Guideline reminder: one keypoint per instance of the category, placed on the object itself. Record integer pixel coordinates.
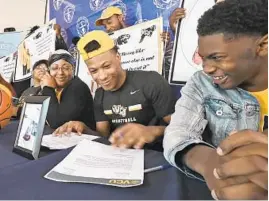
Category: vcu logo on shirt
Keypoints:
(119, 110)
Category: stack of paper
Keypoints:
(93, 162)
(64, 141)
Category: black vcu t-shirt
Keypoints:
(144, 98)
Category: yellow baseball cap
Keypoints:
(106, 44)
(107, 13)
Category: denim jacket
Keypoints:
(205, 104)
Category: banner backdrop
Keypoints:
(78, 17)
(9, 42)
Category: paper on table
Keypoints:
(93, 162)
(64, 142)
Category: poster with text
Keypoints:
(186, 60)
(39, 45)
(7, 66)
(140, 46)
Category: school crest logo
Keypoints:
(122, 6)
(69, 12)
(96, 4)
(141, 21)
(57, 4)
(165, 4)
(119, 110)
(82, 26)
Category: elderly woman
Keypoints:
(71, 99)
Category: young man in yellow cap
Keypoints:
(134, 105)
(112, 19)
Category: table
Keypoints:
(8, 159)
(24, 180)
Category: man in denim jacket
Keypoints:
(230, 99)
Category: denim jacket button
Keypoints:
(250, 113)
(219, 112)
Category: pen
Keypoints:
(161, 167)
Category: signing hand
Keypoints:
(245, 154)
(71, 126)
(48, 80)
(132, 135)
(176, 15)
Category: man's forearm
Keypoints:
(156, 131)
(197, 158)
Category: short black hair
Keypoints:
(235, 18)
(42, 61)
(94, 45)
(75, 40)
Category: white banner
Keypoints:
(140, 46)
(186, 61)
(37, 46)
(7, 66)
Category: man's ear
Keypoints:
(121, 18)
(262, 49)
(118, 57)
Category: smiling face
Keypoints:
(231, 63)
(106, 70)
(114, 23)
(62, 71)
(39, 72)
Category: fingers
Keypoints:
(260, 179)
(179, 16)
(240, 192)
(130, 135)
(241, 167)
(239, 139)
(69, 128)
(118, 134)
(179, 11)
(78, 128)
(248, 150)
(165, 36)
(61, 130)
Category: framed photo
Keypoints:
(31, 126)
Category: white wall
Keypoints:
(21, 14)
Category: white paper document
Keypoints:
(93, 162)
(65, 141)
